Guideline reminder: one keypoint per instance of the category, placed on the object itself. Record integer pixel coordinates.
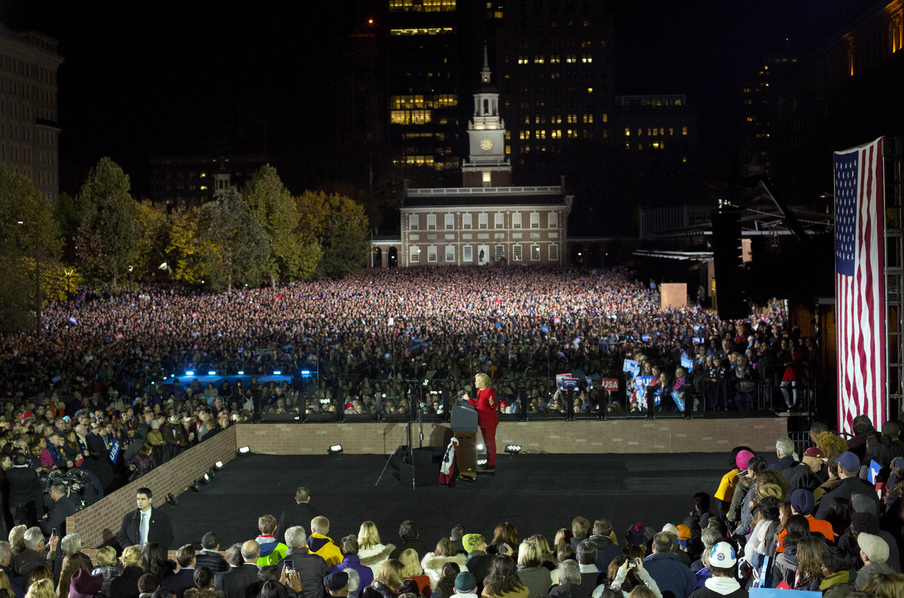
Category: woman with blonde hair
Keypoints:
(445, 552)
(106, 566)
(71, 564)
(387, 579)
(127, 584)
(547, 558)
(370, 551)
(41, 589)
(885, 585)
(6, 591)
(411, 569)
(487, 415)
(531, 570)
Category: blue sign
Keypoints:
(114, 451)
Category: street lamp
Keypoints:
(130, 279)
(37, 277)
(68, 272)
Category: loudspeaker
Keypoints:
(425, 468)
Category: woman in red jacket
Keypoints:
(487, 415)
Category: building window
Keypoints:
(499, 220)
(516, 220)
(500, 252)
(431, 254)
(535, 220)
(450, 221)
(414, 255)
(412, 222)
(466, 221)
(684, 130)
(467, 253)
(431, 221)
(554, 253)
(450, 253)
(553, 218)
(482, 221)
(535, 253)
(516, 253)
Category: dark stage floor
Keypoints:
(537, 493)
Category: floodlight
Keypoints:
(334, 450)
(277, 372)
(513, 449)
(244, 450)
(241, 372)
(480, 447)
(189, 372)
(218, 465)
(211, 373)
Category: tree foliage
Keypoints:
(185, 254)
(20, 201)
(235, 245)
(339, 226)
(107, 238)
(276, 212)
(153, 229)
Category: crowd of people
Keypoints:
(829, 521)
(370, 341)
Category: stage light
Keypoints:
(211, 373)
(218, 465)
(305, 372)
(241, 372)
(189, 372)
(513, 449)
(172, 500)
(196, 487)
(481, 461)
(244, 450)
(480, 447)
(277, 372)
(205, 479)
(334, 450)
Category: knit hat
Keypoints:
(743, 459)
(471, 541)
(635, 534)
(722, 556)
(465, 582)
(874, 547)
(26, 415)
(684, 532)
(802, 501)
(335, 581)
(85, 585)
(861, 503)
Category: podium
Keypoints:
(464, 426)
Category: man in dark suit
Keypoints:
(310, 567)
(185, 578)
(209, 557)
(237, 581)
(62, 508)
(145, 524)
(301, 514)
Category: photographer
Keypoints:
(625, 574)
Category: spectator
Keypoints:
(72, 544)
(126, 585)
(885, 585)
(664, 567)
(106, 567)
(237, 581)
(412, 570)
(479, 562)
(41, 589)
(873, 553)
(723, 564)
(434, 562)
(531, 570)
(848, 472)
(624, 575)
(503, 580)
(838, 575)
(184, 578)
(445, 585)
(208, 556)
(370, 550)
(310, 567)
(386, 580)
(31, 557)
(602, 539)
(410, 537)
(147, 585)
(83, 584)
(786, 562)
(809, 557)
(349, 547)
(320, 544)
(272, 550)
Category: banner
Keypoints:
(609, 384)
(114, 451)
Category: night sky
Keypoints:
(135, 69)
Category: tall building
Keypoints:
(655, 122)
(487, 166)
(429, 43)
(29, 133)
(556, 73)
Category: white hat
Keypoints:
(723, 556)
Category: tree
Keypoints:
(185, 253)
(276, 212)
(153, 228)
(339, 226)
(107, 239)
(238, 246)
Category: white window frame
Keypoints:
(414, 255)
(431, 221)
(553, 252)
(483, 221)
(499, 252)
(516, 220)
(449, 221)
(535, 219)
(552, 219)
(535, 253)
(467, 221)
(431, 254)
(467, 254)
(413, 222)
(450, 253)
(499, 220)
(517, 255)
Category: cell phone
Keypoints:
(54, 532)
(288, 568)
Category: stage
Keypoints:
(538, 493)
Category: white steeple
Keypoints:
(487, 164)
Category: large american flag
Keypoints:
(860, 284)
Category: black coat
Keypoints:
(56, 518)
(24, 487)
(126, 585)
(301, 514)
(311, 571)
(236, 581)
(212, 560)
(179, 582)
(160, 529)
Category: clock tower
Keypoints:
(487, 164)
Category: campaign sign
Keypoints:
(609, 384)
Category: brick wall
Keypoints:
(622, 436)
(99, 523)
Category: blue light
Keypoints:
(241, 372)
(189, 372)
(211, 373)
(305, 372)
(277, 372)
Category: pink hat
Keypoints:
(743, 459)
